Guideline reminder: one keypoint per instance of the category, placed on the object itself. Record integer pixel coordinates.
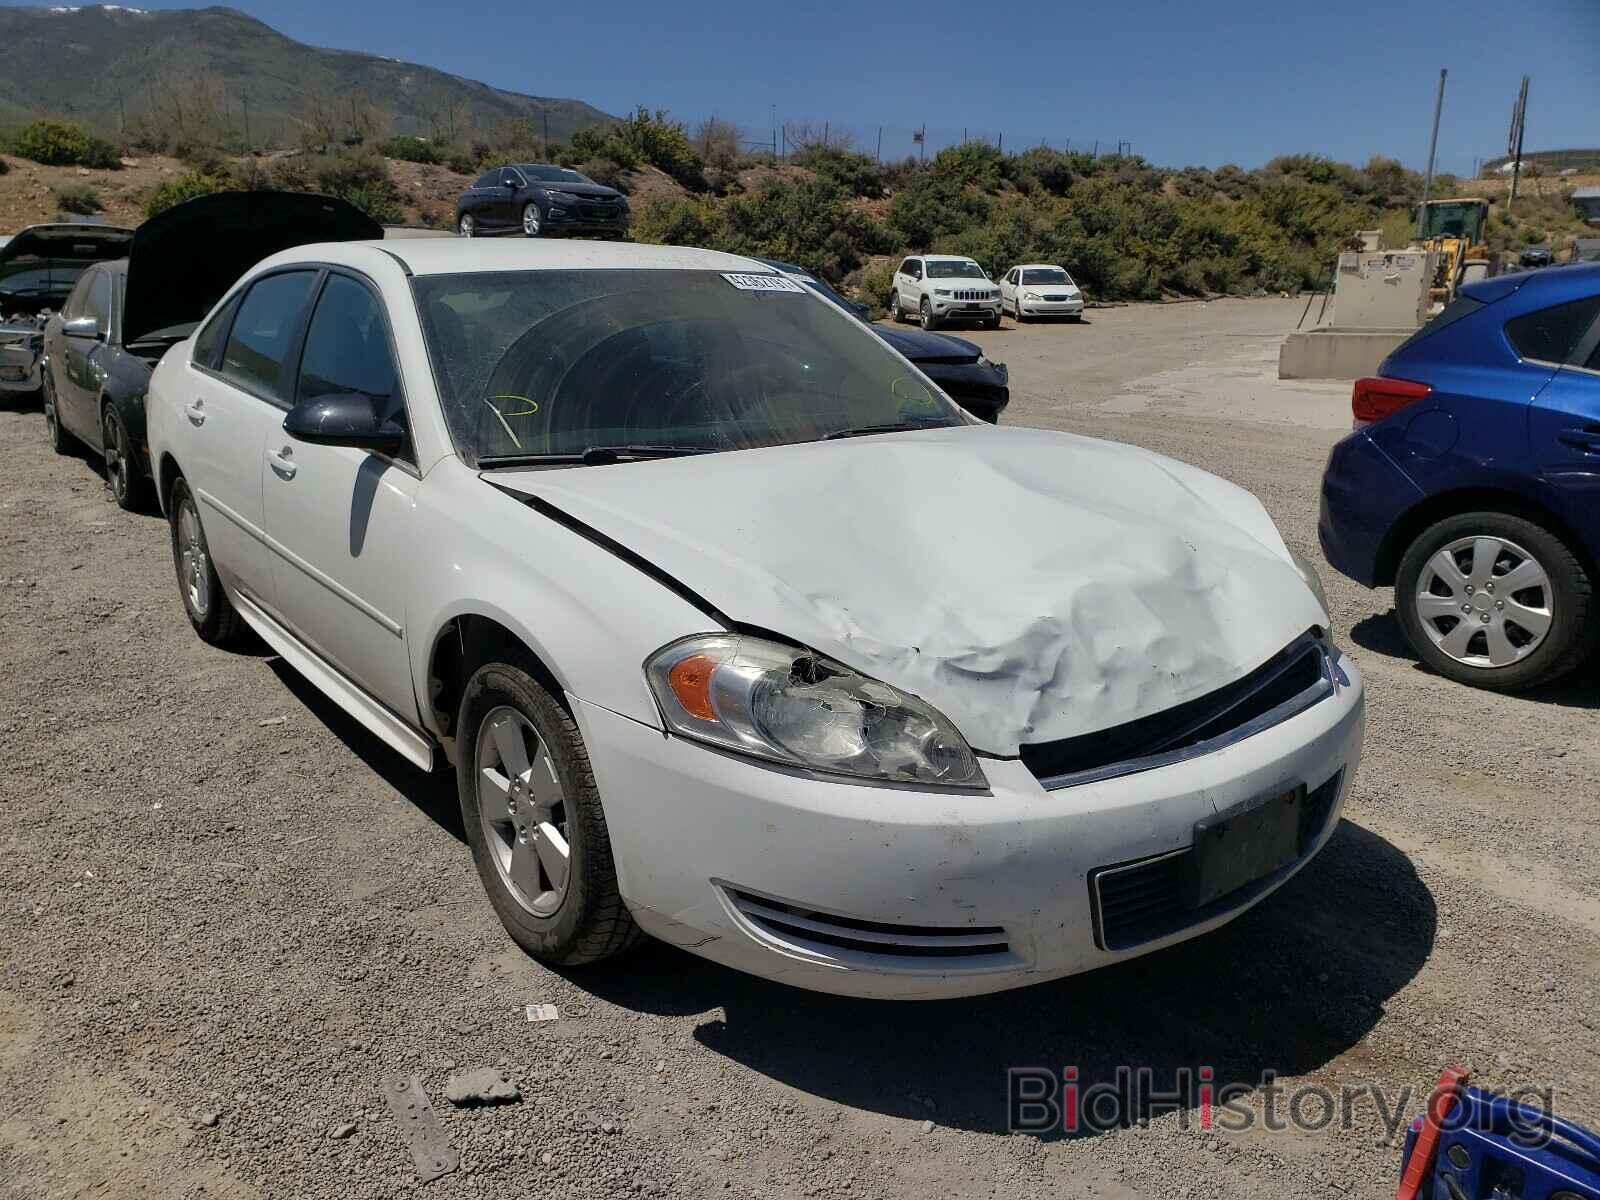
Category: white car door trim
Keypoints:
(289, 556)
(371, 715)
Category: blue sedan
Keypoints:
(1472, 481)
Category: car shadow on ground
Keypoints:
(1287, 988)
(432, 792)
(1381, 634)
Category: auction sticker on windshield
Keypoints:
(762, 283)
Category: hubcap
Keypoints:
(1485, 601)
(523, 811)
(194, 564)
(116, 458)
(530, 221)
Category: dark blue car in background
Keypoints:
(1472, 481)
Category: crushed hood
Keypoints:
(183, 260)
(1031, 585)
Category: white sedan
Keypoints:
(740, 634)
(1040, 290)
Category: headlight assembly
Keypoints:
(792, 706)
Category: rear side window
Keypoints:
(263, 334)
(1552, 334)
(208, 342)
(1461, 306)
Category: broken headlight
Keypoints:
(792, 706)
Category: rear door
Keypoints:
(1564, 419)
(340, 521)
(236, 400)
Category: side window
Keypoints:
(97, 303)
(208, 342)
(487, 179)
(348, 352)
(1552, 334)
(914, 268)
(259, 344)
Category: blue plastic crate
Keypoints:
(1484, 1154)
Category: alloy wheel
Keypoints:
(523, 811)
(530, 220)
(467, 226)
(116, 456)
(194, 560)
(1485, 601)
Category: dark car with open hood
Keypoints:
(540, 200)
(121, 316)
(39, 266)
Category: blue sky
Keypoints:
(1204, 81)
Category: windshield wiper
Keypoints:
(594, 456)
(890, 427)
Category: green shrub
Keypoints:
(61, 144)
(359, 177)
(185, 187)
(77, 198)
(855, 173)
(643, 138)
(411, 149)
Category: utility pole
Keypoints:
(1519, 119)
(122, 113)
(880, 143)
(545, 148)
(1433, 145)
(244, 101)
(1000, 144)
(774, 132)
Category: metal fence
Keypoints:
(782, 136)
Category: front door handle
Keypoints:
(196, 412)
(1582, 437)
(283, 462)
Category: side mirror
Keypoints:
(509, 181)
(82, 327)
(344, 419)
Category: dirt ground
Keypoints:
(228, 914)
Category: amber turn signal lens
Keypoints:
(690, 681)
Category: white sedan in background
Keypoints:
(699, 586)
(1040, 290)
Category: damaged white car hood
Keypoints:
(1031, 585)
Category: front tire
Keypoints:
(530, 220)
(60, 440)
(122, 476)
(1495, 601)
(928, 321)
(210, 611)
(532, 814)
(467, 225)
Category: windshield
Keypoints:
(554, 175)
(1047, 275)
(556, 363)
(954, 269)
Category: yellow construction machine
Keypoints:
(1454, 231)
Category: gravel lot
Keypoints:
(228, 914)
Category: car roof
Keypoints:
(454, 256)
(1038, 266)
(944, 258)
(1537, 289)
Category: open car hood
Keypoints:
(182, 261)
(1031, 585)
(58, 253)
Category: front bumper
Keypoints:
(559, 220)
(984, 391)
(1050, 308)
(947, 309)
(965, 893)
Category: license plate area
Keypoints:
(1241, 845)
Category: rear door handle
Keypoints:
(283, 462)
(1583, 437)
(196, 412)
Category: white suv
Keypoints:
(944, 287)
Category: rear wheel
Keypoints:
(533, 818)
(210, 611)
(1495, 601)
(896, 308)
